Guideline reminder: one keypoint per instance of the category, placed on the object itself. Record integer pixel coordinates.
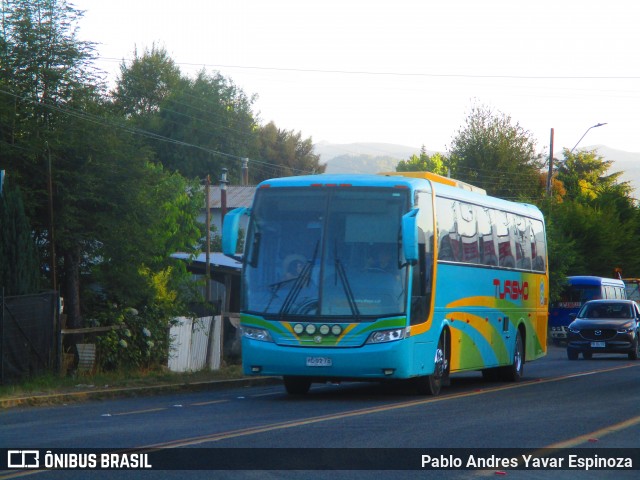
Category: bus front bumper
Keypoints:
(369, 362)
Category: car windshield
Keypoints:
(606, 310)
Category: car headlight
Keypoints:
(574, 330)
(256, 333)
(383, 336)
(625, 330)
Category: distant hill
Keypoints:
(363, 157)
(382, 157)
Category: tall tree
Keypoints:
(194, 126)
(45, 67)
(146, 82)
(114, 210)
(19, 263)
(494, 153)
(598, 212)
(584, 176)
(283, 153)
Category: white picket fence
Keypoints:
(190, 339)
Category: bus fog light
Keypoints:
(256, 369)
(388, 371)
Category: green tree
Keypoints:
(145, 83)
(193, 126)
(115, 212)
(19, 263)
(436, 163)
(599, 214)
(283, 153)
(493, 153)
(584, 176)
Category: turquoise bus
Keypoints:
(388, 277)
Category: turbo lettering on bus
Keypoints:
(511, 289)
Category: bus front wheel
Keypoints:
(432, 384)
(296, 385)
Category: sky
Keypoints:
(401, 72)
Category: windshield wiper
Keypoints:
(300, 280)
(347, 289)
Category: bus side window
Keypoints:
(538, 252)
(487, 239)
(448, 238)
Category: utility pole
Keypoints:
(207, 266)
(550, 165)
(223, 196)
(227, 282)
(54, 283)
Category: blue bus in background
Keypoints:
(578, 290)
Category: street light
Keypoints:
(593, 126)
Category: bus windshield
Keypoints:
(573, 296)
(325, 252)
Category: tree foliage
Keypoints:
(193, 126)
(493, 153)
(599, 214)
(436, 163)
(283, 153)
(19, 263)
(114, 210)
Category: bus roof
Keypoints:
(593, 280)
(413, 183)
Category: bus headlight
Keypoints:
(383, 336)
(259, 334)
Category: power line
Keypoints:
(401, 74)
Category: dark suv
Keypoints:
(605, 326)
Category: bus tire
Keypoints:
(432, 384)
(296, 385)
(515, 371)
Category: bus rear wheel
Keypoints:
(432, 384)
(296, 385)
(515, 371)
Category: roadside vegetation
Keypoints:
(49, 384)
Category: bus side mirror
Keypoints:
(410, 236)
(230, 230)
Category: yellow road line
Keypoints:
(368, 411)
(597, 434)
(199, 404)
(135, 412)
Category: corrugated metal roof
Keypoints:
(237, 196)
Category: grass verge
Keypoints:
(49, 384)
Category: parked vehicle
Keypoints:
(605, 326)
(578, 290)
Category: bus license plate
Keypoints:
(597, 344)
(318, 362)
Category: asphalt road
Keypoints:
(586, 404)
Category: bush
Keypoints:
(140, 339)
